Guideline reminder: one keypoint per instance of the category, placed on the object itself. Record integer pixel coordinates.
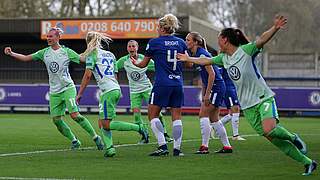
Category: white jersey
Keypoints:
(102, 64)
(57, 64)
(251, 87)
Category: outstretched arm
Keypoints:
(17, 56)
(84, 83)
(142, 64)
(201, 60)
(278, 23)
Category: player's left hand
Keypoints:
(133, 60)
(78, 98)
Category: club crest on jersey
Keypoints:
(135, 75)
(234, 73)
(54, 67)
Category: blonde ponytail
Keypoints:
(94, 41)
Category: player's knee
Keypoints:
(105, 124)
(74, 115)
(136, 110)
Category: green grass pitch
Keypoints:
(32, 148)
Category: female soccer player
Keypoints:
(139, 84)
(213, 90)
(256, 98)
(167, 90)
(101, 64)
(62, 88)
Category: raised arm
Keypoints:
(142, 64)
(278, 23)
(200, 60)
(17, 56)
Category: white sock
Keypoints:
(177, 133)
(221, 131)
(225, 119)
(235, 123)
(157, 129)
(205, 130)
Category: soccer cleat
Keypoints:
(309, 168)
(298, 142)
(225, 149)
(238, 138)
(99, 142)
(144, 134)
(75, 144)
(203, 150)
(167, 137)
(177, 152)
(161, 151)
(110, 152)
(142, 141)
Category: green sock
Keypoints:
(64, 129)
(281, 133)
(85, 124)
(123, 126)
(291, 150)
(163, 122)
(107, 137)
(137, 118)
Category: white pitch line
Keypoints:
(121, 145)
(21, 178)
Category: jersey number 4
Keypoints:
(174, 60)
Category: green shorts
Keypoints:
(107, 104)
(60, 101)
(136, 98)
(264, 110)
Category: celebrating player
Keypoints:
(256, 98)
(62, 88)
(101, 64)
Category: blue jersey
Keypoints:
(163, 51)
(228, 82)
(203, 72)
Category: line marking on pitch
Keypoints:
(120, 145)
(21, 178)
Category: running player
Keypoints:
(62, 89)
(256, 98)
(101, 64)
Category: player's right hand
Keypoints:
(7, 50)
(183, 57)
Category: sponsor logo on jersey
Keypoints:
(173, 76)
(135, 75)
(54, 67)
(234, 73)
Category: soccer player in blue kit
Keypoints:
(168, 86)
(213, 91)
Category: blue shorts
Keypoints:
(217, 94)
(167, 96)
(231, 98)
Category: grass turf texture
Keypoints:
(255, 158)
